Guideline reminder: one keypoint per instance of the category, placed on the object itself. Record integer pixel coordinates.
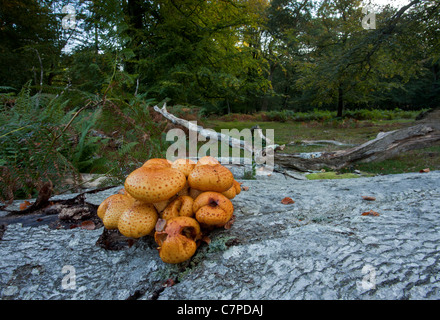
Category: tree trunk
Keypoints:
(134, 12)
(340, 102)
(265, 102)
(435, 82)
(286, 97)
(96, 38)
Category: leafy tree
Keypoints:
(420, 37)
(345, 64)
(194, 51)
(285, 21)
(29, 41)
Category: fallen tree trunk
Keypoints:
(384, 146)
(211, 134)
(320, 143)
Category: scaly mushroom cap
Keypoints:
(233, 191)
(207, 160)
(159, 162)
(230, 193)
(237, 186)
(103, 207)
(213, 209)
(181, 206)
(184, 165)
(138, 221)
(112, 208)
(177, 239)
(153, 184)
(213, 177)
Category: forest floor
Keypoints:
(348, 131)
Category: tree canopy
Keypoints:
(229, 55)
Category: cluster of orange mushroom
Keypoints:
(174, 202)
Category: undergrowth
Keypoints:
(35, 145)
(322, 115)
(137, 135)
(44, 138)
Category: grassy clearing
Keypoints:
(412, 161)
(348, 131)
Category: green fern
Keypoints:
(34, 148)
(127, 148)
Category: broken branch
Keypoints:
(211, 134)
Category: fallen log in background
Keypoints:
(211, 134)
(320, 143)
(386, 145)
(191, 126)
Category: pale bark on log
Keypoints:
(211, 134)
(321, 142)
(191, 126)
(384, 146)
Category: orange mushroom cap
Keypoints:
(112, 208)
(153, 184)
(233, 191)
(177, 239)
(181, 206)
(159, 162)
(184, 165)
(213, 177)
(207, 160)
(237, 186)
(138, 221)
(124, 192)
(212, 209)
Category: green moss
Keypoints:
(181, 270)
(219, 243)
(335, 175)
